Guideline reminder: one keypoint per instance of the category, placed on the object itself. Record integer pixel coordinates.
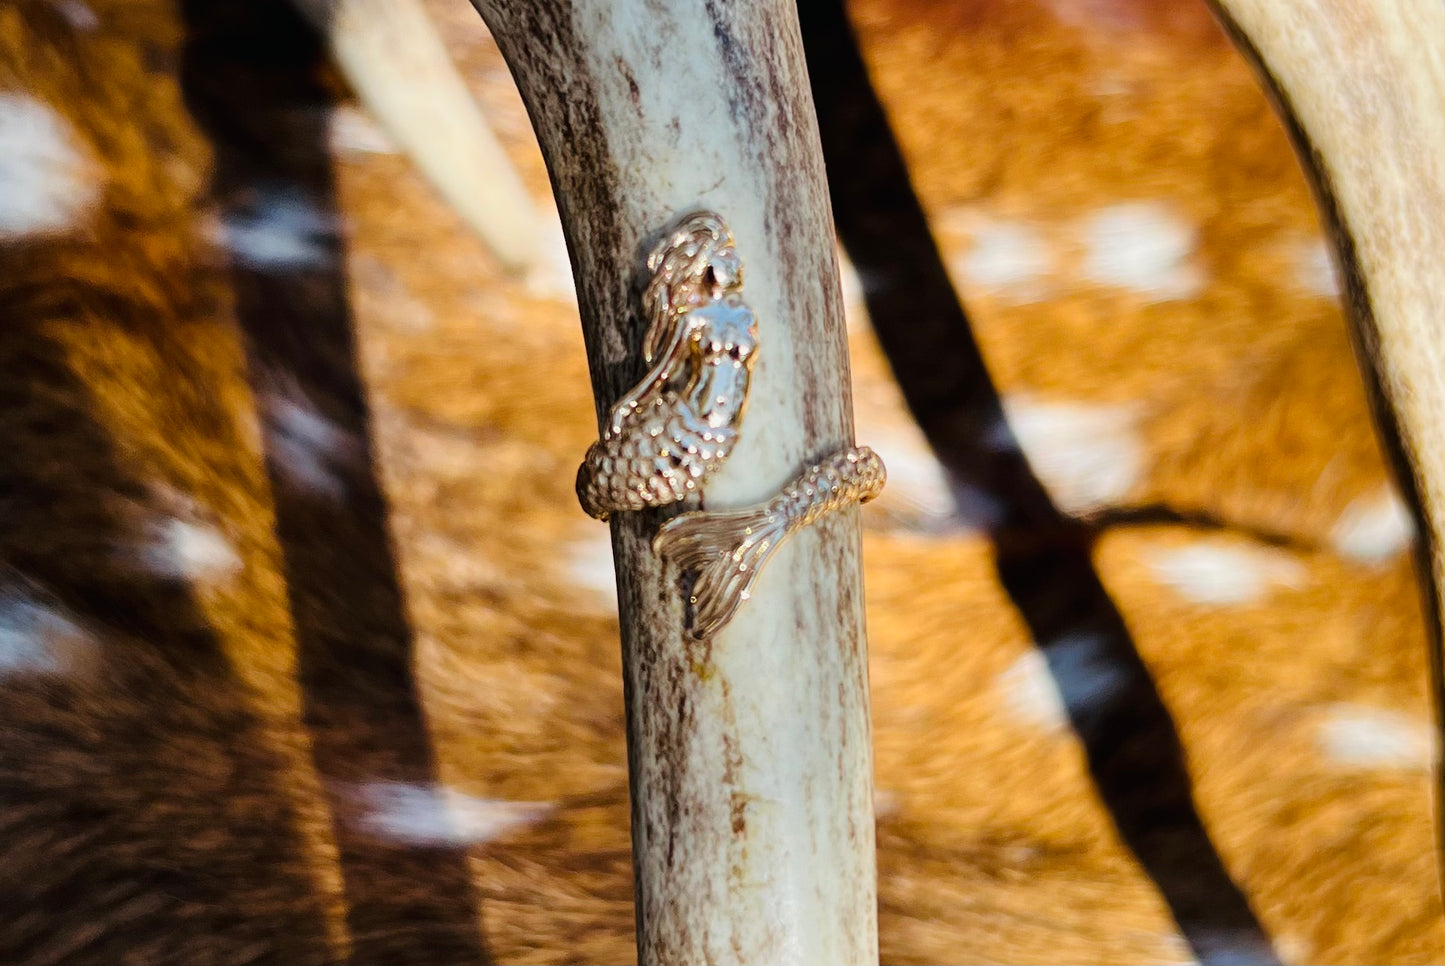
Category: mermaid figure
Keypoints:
(666, 437)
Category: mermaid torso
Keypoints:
(667, 436)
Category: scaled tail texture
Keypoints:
(725, 550)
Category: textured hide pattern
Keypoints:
(308, 654)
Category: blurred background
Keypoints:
(308, 654)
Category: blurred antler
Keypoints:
(1361, 85)
(391, 54)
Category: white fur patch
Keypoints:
(848, 278)
(1088, 456)
(551, 273)
(306, 447)
(1178, 951)
(1142, 246)
(918, 481)
(1099, 15)
(352, 131)
(1360, 736)
(1084, 672)
(1314, 269)
(919, 495)
(855, 305)
(436, 815)
(77, 14)
(1374, 528)
(38, 639)
(282, 229)
(191, 551)
(589, 565)
(1007, 258)
(1222, 574)
(1030, 694)
(1292, 948)
(47, 180)
(886, 804)
(1233, 947)
(1074, 672)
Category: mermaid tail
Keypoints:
(663, 454)
(726, 549)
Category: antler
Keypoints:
(752, 808)
(1361, 86)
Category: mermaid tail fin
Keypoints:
(726, 550)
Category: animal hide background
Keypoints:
(307, 652)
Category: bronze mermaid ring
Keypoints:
(670, 434)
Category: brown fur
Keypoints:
(185, 791)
